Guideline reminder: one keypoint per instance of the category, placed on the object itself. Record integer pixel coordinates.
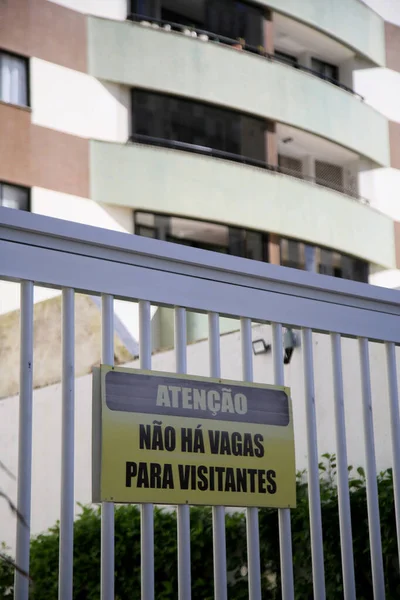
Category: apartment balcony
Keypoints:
(155, 59)
(209, 187)
(350, 21)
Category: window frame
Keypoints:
(20, 187)
(26, 61)
(228, 116)
(286, 59)
(365, 266)
(324, 63)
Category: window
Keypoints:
(235, 20)
(325, 70)
(287, 59)
(194, 126)
(146, 8)
(328, 262)
(13, 79)
(14, 196)
(247, 243)
(203, 234)
(292, 254)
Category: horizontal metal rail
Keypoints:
(60, 254)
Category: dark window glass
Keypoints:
(149, 232)
(196, 126)
(325, 69)
(204, 235)
(14, 196)
(327, 262)
(235, 20)
(360, 270)
(191, 13)
(326, 265)
(146, 8)
(288, 59)
(13, 79)
(292, 254)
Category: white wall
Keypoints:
(383, 188)
(389, 279)
(111, 9)
(81, 210)
(381, 89)
(79, 104)
(47, 424)
(387, 9)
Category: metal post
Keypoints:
(218, 512)
(107, 508)
(317, 551)
(65, 587)
(184, 585)
(147, 512)
(21, 587)
(372, 484)
(285, 528)
(342, 473)
(253, 537)
(395, 427)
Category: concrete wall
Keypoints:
(130, 54)
(47, 420)
(47, 321)
(222, 191)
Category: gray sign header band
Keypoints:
(196, 399)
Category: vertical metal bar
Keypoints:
(372, 484)
(317, 551)
(285, 528)
(107, 509)
(184, 585)
(65, 587)
(147, 512)
(21, 588)
(253, 537)
(218, 512)
(346, 539)
(395, 430)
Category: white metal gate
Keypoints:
(78, 258)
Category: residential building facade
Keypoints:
(267, 130)
(253, 129)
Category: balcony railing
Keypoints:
(206, 36)
(205, 150)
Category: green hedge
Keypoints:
(44, 548)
